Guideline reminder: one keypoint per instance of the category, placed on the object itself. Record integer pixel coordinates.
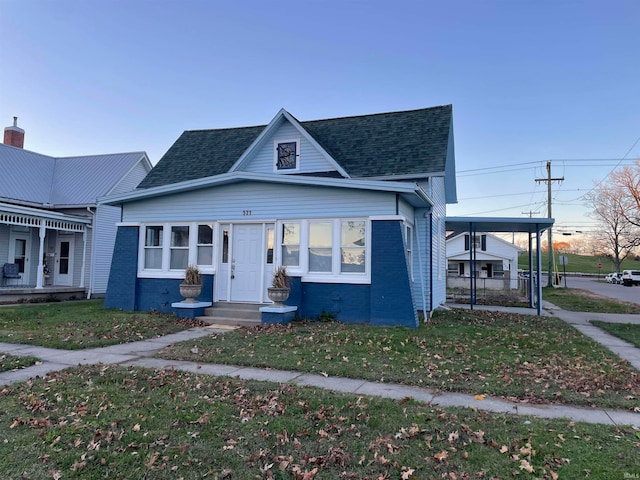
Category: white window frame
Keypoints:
(165, 271)
(408, 247)
(143, 247)
(335, 276)
(275, 156)
(173, 248)
(197, 245)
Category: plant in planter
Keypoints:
(191, 287)
(279, 290)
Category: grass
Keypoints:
(518, 357)
(72, 425)
(628, 332)
(12, 362)
(82, 324)
(577, 300)
(580, 263)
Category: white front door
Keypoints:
(246, 263)
(63, 274)
(19, 250)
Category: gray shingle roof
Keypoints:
(35, 178)
(411, 142)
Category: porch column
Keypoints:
(40, 275)
(84, 256)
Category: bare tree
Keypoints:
(627, 180)
(619, 234)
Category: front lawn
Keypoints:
(628, 332)
(83, 324)
(114, 422)
(577, 300)
(519, 357)
(11, 362)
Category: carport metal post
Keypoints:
(539, 266)
(472, 273)
(531, 277)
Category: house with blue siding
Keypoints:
(53, 234)
(354, 207)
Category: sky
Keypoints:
(530, 82)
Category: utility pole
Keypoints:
(548, 181)
(530, 213)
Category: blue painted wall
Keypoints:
(349, 303)
(391, 300)
(128, 292)
(159, 293)
(121, 289)
(387, 301)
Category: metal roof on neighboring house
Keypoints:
(26, 175)
(408, 143)
(40, 179)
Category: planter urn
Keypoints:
(278, 295)
(190, 292)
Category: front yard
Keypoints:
(519, 357)
(131, 423)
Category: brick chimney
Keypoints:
(14, 135)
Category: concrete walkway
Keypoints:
(142, 354)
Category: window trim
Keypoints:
(408, 248)
(335, 276)
(276, 144)
(165, 271)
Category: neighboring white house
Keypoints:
(51, 225)
(496, 260)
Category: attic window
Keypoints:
(286, 155)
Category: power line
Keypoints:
(611, 171)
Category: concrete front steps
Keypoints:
(233, 314)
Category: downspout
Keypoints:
(431, 261)
(421, 267)
(93, 253)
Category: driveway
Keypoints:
(619, 292)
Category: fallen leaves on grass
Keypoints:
(514, 356)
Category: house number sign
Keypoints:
(246, 212)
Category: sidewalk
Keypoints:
(141, 354)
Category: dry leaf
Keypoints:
(479, 397)
(442, 456)
(524, 465)
(407, 473)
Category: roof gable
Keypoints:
(311, 158)
(39, 179)
(409, 144)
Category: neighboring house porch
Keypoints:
(53, 234)
(48, 249)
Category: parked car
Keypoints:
(630, 277)
(613, 278)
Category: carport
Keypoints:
(532, 226)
